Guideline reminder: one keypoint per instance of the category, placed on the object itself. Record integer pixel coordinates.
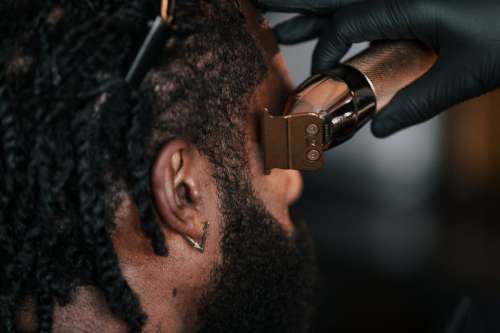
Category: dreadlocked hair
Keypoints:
(71, 128)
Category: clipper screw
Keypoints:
(313, 155)
(312, 129)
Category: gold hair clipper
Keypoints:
(329, 108)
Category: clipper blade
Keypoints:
(284, 149)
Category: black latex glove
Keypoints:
(465, 34)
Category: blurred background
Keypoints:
(405, 227)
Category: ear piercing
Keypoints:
(199, 246)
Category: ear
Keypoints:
(176, 190)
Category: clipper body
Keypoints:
(328, 109)
(325, 111)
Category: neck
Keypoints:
(87, 312)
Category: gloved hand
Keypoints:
(465, 34)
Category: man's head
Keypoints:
(100, 179)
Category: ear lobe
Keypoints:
(176, 190)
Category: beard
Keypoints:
(266, 279)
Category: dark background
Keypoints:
(406, 227)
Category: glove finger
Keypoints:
(318, 7)
(425, 98)
(299, 29)
(364, 22)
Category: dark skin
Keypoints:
(185, 196)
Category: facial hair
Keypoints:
(265, 281)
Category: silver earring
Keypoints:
(199, 246)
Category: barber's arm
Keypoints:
(465, 34)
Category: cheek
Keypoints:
(273, 190)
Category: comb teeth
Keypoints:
(148, 52)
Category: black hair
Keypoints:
(73, 134)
